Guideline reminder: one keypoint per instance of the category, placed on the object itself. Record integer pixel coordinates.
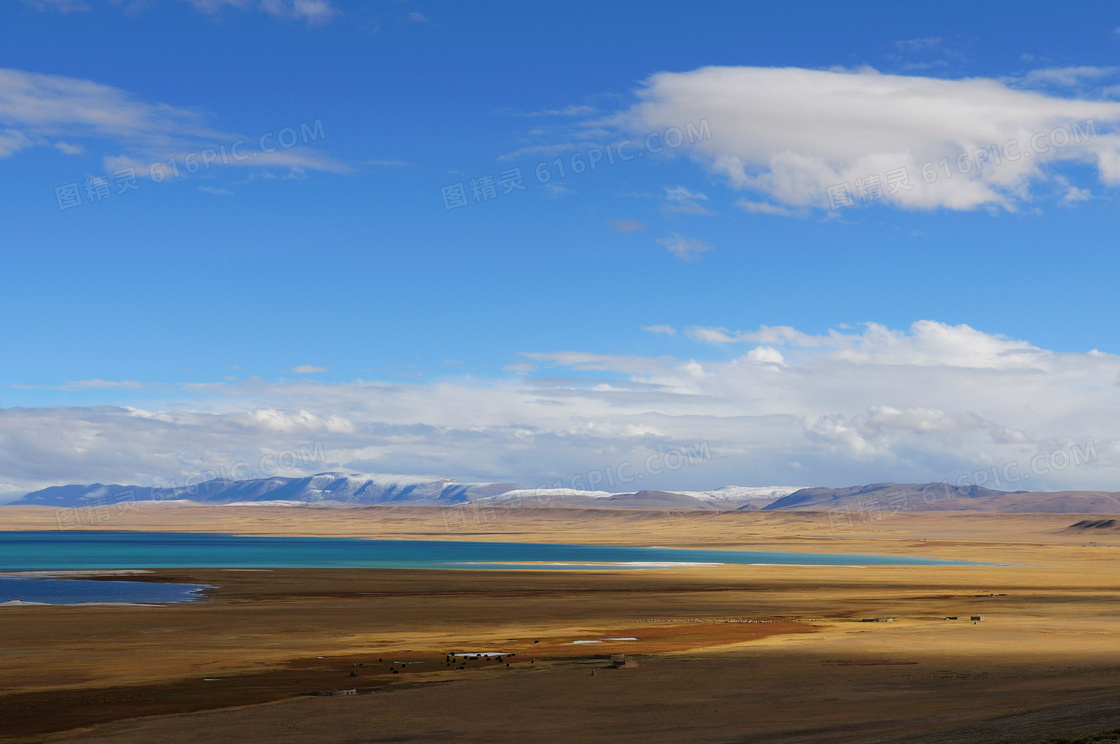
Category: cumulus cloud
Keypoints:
(790, 134)
(301, 421)
(926, 403)
(765, 355)
(927, 343)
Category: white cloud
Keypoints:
(764, 335)
(69, 149)
(918, 45)
(104, 384)
(682, 194)
(545, 151)
(296, 160)
(1071, 194)
(1076, 195)
(35, 109)
(627, 225)
(680, 200)
(927, 343)
(12, 141)
(556, 190)
(308, 369)
(684, 248)
(39, 106)
(765, 355)
(573, 110)
(789, 134)
(314, 12)
(94, 384)
(1065, 77)
(301, 421)
(924, 404)
(761, 207)
(712, 335)
(668, 330)
(62, 6)
(585, 361)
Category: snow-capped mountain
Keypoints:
(403, 490)
(344, 488)
(726, 498)
(742, 493)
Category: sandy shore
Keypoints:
(726, 653)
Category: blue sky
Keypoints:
(511, 338)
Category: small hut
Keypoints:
(619, 661)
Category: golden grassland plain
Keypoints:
(726, 653)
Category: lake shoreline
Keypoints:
(123, 550)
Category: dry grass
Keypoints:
(1045, 662)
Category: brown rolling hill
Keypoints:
(1095, 525)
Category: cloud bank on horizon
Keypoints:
(930, 403)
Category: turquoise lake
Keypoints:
(42, 551)
(81, 591)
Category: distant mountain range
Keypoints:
(727, 498)
(865, 503)
(401, 490)
(337, 488)
(887, 498)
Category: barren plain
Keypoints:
(725, 653)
